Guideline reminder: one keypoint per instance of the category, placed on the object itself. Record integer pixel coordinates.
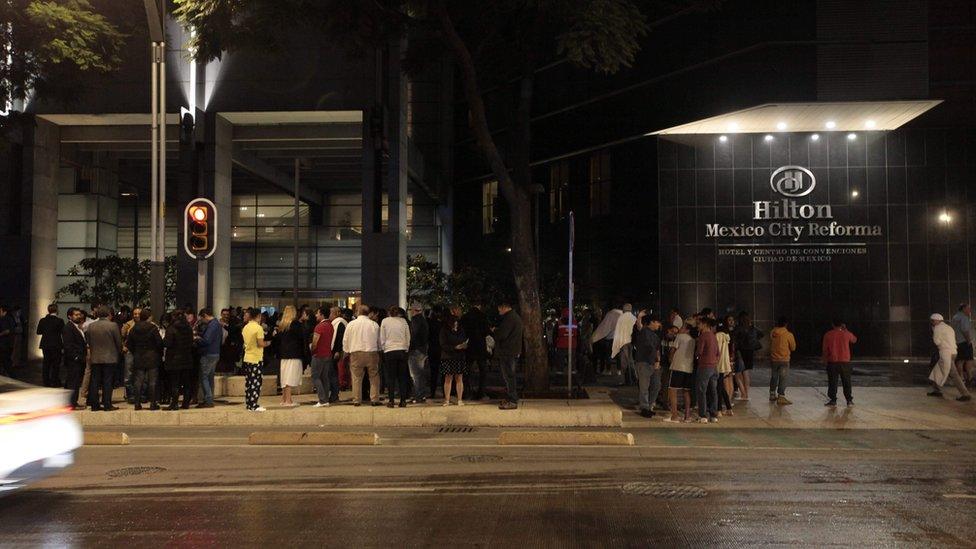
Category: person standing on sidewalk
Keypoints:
(454, 344)
(395, 342)
(706, 377)
(648, 358)
(290, 335)
(105, 341)
(254, 343)
(508, 348)
(622, 348)
(781, 346)
(325, 376)
(746, 338)
(475, 325)
(210, 341)
(50, 329)
(75, 354)
(682, 365)
(179, 360)
(962, 325)
(146, 345)
(945, 368)
(837, 356)
(361, 341)
(417, 357)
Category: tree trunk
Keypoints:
(519, 201)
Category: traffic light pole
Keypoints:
(201, 283)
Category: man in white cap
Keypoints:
(945, 340)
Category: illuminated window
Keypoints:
(489, 196)
(600, 184)
(558, 191)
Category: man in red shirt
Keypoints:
(837, 356)
(323, 363)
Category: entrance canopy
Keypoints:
(809, 117)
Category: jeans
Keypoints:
(102, 377)
(706, 383)
(50, 369)
(140, 375)
(252, 384)
(324, 372)
(417, 362)
(648, 383)
(777, 378)
(208, 365)
(843, 370)
(508, 374)
(397, 373)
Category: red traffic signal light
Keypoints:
(200, 228)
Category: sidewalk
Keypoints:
(875, 408)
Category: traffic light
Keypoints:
(200, 228)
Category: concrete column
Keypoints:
(43, 157)
(218, 180)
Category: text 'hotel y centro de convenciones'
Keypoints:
(792, 221)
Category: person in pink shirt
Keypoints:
(837, 356)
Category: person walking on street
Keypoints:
(648, 359)
(746, 338)
(417, 357)
(179, 359)
(945, 369)
(361, 341)
(837, 356)
(75, 354)
(211, 338)
(781, 346)
(325, 376)
(146, 345)
(706, 377)
(395, 342)
(508, 348)
(962, 325)
(105, 342)
(454, 342)
(290, 334)
(254, 343)
(50, 329)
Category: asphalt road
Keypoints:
(687, 488)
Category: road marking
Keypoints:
(959, 496)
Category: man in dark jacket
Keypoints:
(146, 346)
(648, 362)
(75, 354)
(475, 324)
(179, 359)
(50, 328)
(508, 347)
(417, 359)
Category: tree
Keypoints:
(117, 281)
(49, 44)
(427, 284)
(491, 43)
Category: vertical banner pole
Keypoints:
(571, 317)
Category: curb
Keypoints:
(565, 438)
(103, 438)
(299, 438)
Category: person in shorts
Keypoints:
(962, 326)
(682, 374)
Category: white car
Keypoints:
(38, 434)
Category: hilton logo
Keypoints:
(792, 181)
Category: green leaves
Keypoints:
(602, 35)
(116, 281)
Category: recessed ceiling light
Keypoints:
(869, 123)
(733, 127)
(781, 126)
(723, 138)
(768, 137)
(831, 124)
(854, 194)
(851, 136)
(815, 137)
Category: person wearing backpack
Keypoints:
(746, 339)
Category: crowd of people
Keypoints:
(172, 361)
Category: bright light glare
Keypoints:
(768, 137)
(723, 138)
(199, 214)
(733, 127)
(831, 124)
(781, 126)
(855, 194)
(869, 123)
(815, 137)
(851, 137)
(945, 217)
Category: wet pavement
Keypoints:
(422, 487)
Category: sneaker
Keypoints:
(850, 403)
(772, 397)
(403, 403)
(260, 409)
(935, 394)
(832, 403)
(507, 406)
(713, 420)
(703, 420)
(205, 405)
(646, 413)
(964, 398)
(783, 401)
(320, 405)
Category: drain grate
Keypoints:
(663, 490)
(476, 458)
(133, 471)
(456, 429)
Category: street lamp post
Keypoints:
(155, 17)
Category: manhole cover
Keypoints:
(476, 458)
(455, 429)
(132, 471)
(663, 490)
